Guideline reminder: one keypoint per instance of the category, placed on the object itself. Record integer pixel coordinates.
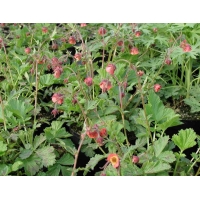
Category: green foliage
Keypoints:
(185, 139)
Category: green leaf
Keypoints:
(32, 165)
(54, 170)
(66, 159)
(66, 171)
(47, 155)
(4, 170)
(93, 162)
(131, 170)
(38, 140)
(185, 139)
(19, 108)
(90, 105)
(46, 80)
(17, 165)
(3, 148)
(155, 167)
(25, 153)
(160, 144)
(167, 156)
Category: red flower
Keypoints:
(120, 43)
(88, 81)
(83, 24)
(54, 112)
(138, 33)
(72, 40)
(102, 31)
(168, 61)
(44, 29)
(57, 71)
(27, 50)
(157, 87)
(140, 73)
(77, 56)
(103, 132)
(57, 98)
(113, 158)
(187, 48)
(134, 51)
(135, 159)
(111, 69)
(105, 85)
(99, 140)
(92, 134)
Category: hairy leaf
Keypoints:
(185, 139)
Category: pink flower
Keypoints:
(111, 69)
(57, 98)
(58, 71)
(157, 87)
(88, 81)
(140, 73)
(77, 56)
(105, 85)
(134, 51)
(83, 24)
(54, 112)
(102, 31)
(113, 158)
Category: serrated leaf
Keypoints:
(25, 153)
(66, 171)
(93, 162)
(19, 108)
(66, 159)
(17, 165)
(167, 156)
(3, 148)
(131, 170)
(38, 140)
(160, 144)
(46, 80)
(47, 155)
(4, 170)
(90, 105)
(155, 167)
(185, 139)
(32, 165)
(53, 170)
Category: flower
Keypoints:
(88, 81)
(77, 56)
(92, 134)
(57, 98)
(58, 71)
(83, 24)
(54, 112)
(185, 46)
(135, 159)
(113, 158)
(105, 85)
(111, 69)
(138, 33)
(99, 140)
(140, 73)
(134, 51)
(44, 29)
(102, 31)
(103, 132)
(157, 87)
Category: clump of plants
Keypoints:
(105, 91)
